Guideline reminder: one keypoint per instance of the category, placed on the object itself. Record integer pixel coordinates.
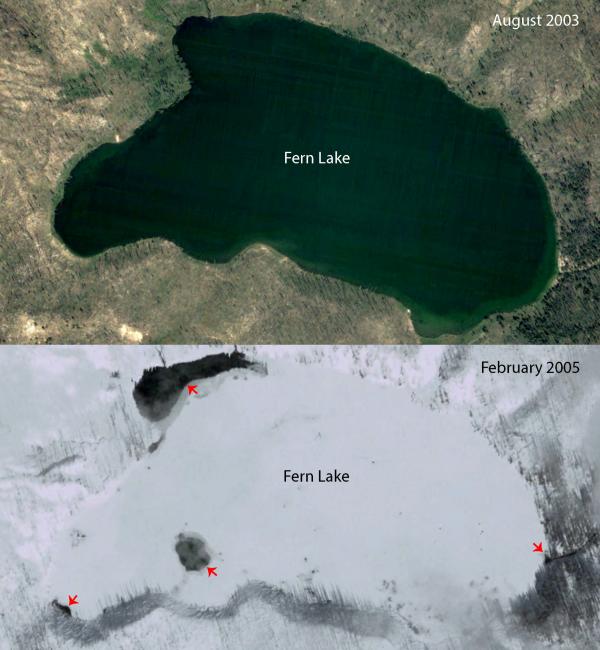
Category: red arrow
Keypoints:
(192, 389)
(73, 600)
(537, 548)
(212, 571)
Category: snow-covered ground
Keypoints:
(433, 531)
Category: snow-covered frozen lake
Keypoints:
(432, 529)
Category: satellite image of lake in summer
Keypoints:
(339, 155)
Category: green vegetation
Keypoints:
(159, 74)
(78, 86)
(161, 13)
(156, 9)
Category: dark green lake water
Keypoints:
(438, 206)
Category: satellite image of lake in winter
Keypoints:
(286, 497)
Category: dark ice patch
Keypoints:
(65, 610)
(192, 552)
(156, 393)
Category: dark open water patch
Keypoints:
(438, 206)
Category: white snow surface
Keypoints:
(432, 515)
